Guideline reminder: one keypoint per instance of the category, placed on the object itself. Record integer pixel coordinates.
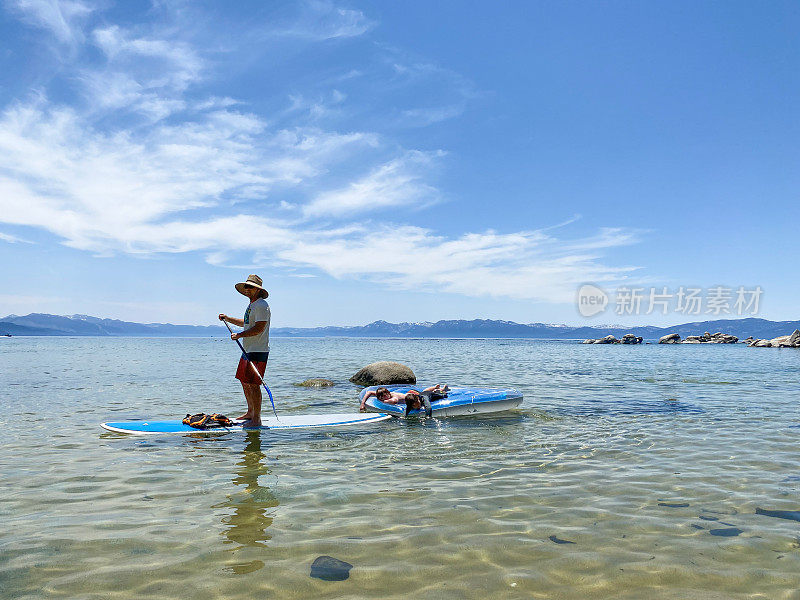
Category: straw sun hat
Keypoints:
(255, 281)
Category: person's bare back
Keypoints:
(384, 395)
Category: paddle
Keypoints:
(256, 371)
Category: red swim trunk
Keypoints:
(245, 373)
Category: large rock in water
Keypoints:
(707, 338)
(782, 341)
(628, 338)
(384, 373)
(670, 338)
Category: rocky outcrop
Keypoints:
(709, 338)
(384, 373)
(783, 341)
(628, 338)
(316, 382)
(706, 338)
(609, 339)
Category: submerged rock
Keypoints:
(384, 373)
(328, 568)
(317, 382)
(792, 515)
(557, 540)
(726, 532)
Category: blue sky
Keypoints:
(406, 161)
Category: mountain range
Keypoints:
(84, 325)
(43, 324)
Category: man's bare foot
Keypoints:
(244, 417)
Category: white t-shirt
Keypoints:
(256, 311)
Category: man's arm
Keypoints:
(231, 320)
(254, 330)
(368, 395)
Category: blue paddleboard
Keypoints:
(459, 401)
(284, 422)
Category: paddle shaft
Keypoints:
(244, 352)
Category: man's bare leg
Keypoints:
(246, 416)
(252, 392)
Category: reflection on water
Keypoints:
(253, 505)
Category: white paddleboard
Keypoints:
(269, 423)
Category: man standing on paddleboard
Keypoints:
(255, 339)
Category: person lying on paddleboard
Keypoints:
(255, 340)
(412, 398)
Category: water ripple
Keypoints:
(627, 472)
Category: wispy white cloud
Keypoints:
(13, 239)
(145, 74)
(63, 18)
(455, 92)
(524, 265)
(321, 20)
(216, 103)
(176, 63)
(422, 117)
(106, 191)
(317, 108)
(205, 175)
(400, 181)
(111, 193)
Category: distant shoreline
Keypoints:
(647, 341)
(38, 325)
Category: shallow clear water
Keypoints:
(628, 472)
